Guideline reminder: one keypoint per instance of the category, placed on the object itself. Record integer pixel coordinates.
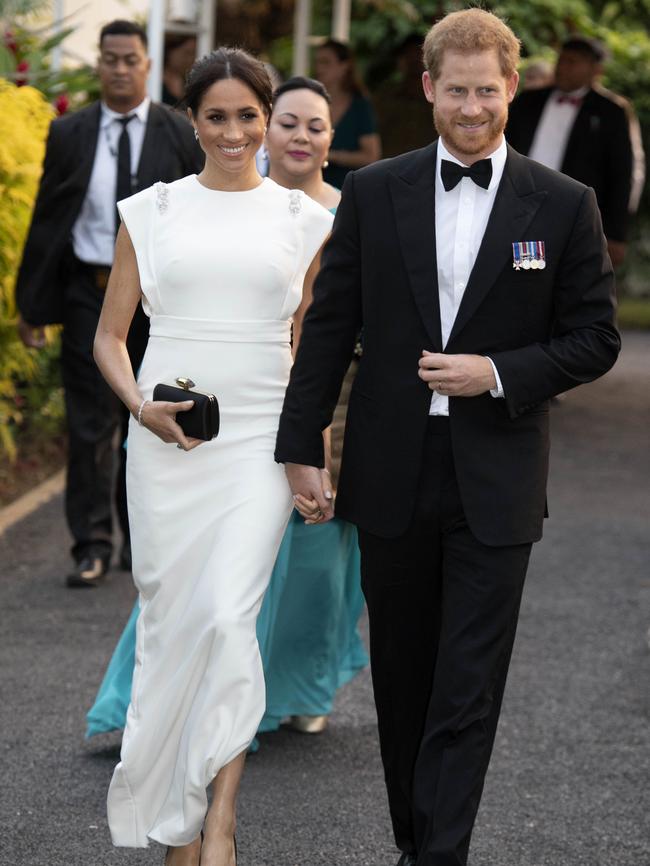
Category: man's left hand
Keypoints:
(457, 375)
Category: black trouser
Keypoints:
(93, 415)
(443, 611)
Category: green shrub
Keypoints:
(29, 389)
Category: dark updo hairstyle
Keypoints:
(301, 82)
(352, 82)
(222, 64)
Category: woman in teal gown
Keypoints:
(356, 140)
(307, 628)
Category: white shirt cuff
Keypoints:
(498, 391)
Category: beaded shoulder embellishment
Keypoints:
(162, 197)
(295, 202)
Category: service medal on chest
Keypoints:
(528, 255)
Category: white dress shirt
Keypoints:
(461, 218)
(93, 234)
(554, 128)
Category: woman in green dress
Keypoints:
(356, 141)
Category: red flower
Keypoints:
(10, 42)
(62, 103)
(23, 66)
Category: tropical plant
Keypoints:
(26, 52)
(28, 385)
(31, 92)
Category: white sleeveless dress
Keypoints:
(221, 274)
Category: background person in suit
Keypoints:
(445, 457)
(93, 158)
(580, 130)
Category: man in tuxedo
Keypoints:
(483, 286)
(581, 130)
(93, 158)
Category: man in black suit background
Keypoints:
(94, 157)
(582, 130)
(483, 286)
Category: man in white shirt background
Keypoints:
(95, 157)
(483, 287)
(584, 131)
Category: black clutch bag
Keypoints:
(202, 420)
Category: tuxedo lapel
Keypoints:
(86, 144)
(585, 125)
(150, 156)
(528, 123)
(515, 205)
(413, 195)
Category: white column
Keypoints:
(183, 10)
(207, 22)
(301, 31)
(341, 13)
(156, 36)
(58, 14)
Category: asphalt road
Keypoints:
(569, 781)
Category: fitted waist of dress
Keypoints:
(221, 330)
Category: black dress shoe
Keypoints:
(89, 571)
(407, 860)
(125, 557)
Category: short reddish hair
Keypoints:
(470, 31)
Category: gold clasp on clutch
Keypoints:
(184, 383)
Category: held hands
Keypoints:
(312, 492)
(456, 375)
(159, 416)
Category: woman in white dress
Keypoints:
(218, 260)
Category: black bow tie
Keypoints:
(452, 173)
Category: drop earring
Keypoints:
(196, 133)
(326, 163)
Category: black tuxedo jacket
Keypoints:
(546, 330)
(168, 153)
(598, 152)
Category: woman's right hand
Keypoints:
(312, 492)
(159, 416)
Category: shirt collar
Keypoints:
(580, 93)
(497, 156)
(140, 111)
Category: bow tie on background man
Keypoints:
(452, 173)
(565, 99)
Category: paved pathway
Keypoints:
(569, 783)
